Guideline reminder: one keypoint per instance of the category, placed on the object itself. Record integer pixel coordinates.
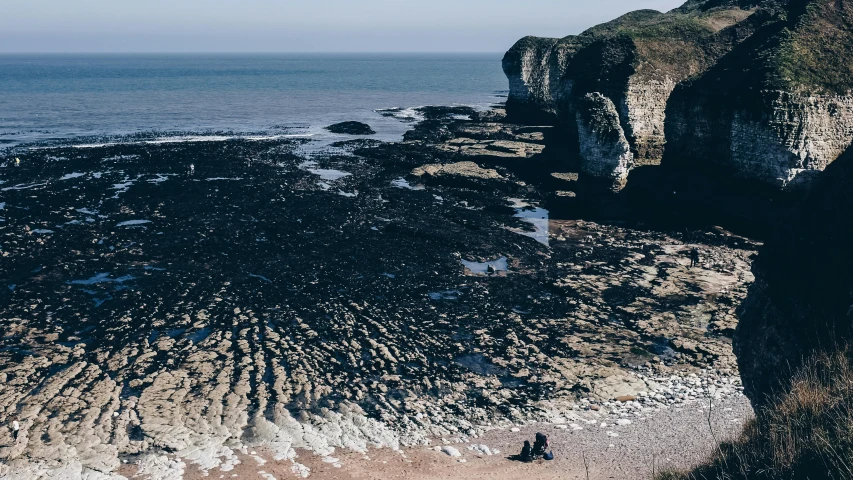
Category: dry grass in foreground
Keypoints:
(806, 434)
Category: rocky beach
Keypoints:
(574, 261)
(171, 305)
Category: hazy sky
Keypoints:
(296, 25)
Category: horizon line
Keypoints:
(258, 53)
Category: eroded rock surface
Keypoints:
(458, 169)
(605, 152)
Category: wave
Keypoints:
(410, 114)
(188, 139)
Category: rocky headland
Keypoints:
(753, 93)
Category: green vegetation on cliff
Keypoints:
(678, 44)
(761, 91)
(802, 46)
(816, 49)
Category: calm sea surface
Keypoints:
(68, 98)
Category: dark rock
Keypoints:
(446, 113)
(438, 123)
(429, 131)
(351, 128)
(801, 301)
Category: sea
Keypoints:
(74, 99)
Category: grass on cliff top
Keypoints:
(806, 434)
(650, 24)
(817, 50)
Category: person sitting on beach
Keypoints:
(526, 452)
(540, 445)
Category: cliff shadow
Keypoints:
(668, 200)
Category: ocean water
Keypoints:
(76, 98)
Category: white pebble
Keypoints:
(452, 451)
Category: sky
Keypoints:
(297, 25)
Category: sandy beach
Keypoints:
(671, 438)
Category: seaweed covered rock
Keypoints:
(778, 109)
(802, 299)
(351, 128)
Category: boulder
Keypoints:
(802, 299)
(451, 451)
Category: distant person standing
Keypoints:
(16, 428)
(17, 162)
(694, 257)
(192, 169)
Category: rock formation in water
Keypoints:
(754, 89)
(351, 128)
(802, 299)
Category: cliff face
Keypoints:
(802, 299)
(754, 90)
(777, 110)
(534, 73)
(635, 61)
